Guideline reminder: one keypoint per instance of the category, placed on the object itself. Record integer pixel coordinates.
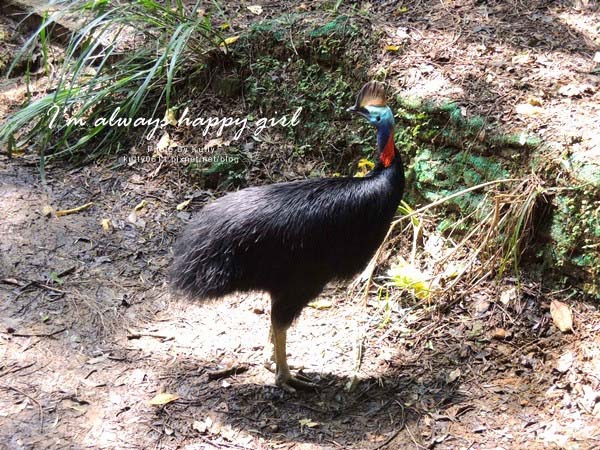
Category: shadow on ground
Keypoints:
(377, 409)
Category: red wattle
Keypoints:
(388, 153)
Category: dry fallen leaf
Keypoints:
(575, 90)
(200, 427)
(561, 316)
(162, 399)
(106, 225)
(255, 9)
(183, 205)
(527, 109)
(564, 363)
(47, 210)
(163, 143)
(321, 304)
(454, 375)
(140, 205)
(308, 423)
(499, 333)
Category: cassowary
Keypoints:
(291, 239)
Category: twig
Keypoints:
(65, 212)
(395, 433)
(137, 335)
(26, 366)
(218, 374)
(373, 263)
(38, 334)
(450, 197)
(40, 410)
(12, 281)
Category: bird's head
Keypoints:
(370, 103)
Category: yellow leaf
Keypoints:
(308, 423)
(392, 48)
(255, 9)
(106, 225)
(321, 304)
(224, 26)
(183, 205)
(163, 399)
(364, 167)
(171, 116)
(140, 205)
(407, 276)
(229, 40)
(561, 316)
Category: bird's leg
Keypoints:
(269, 355)
(270, 352)
(283, 376)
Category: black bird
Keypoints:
(291, 239)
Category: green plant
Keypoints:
(126, 58)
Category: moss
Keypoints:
(584, 170)
(338, 27)
(575, 237)
(312, 66)
(450, 154)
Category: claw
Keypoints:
(293, 384)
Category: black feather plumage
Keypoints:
(291, 239)
(288, 239)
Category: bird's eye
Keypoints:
(378, 118)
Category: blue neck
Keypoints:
(383, 135)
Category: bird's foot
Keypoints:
(292, 384)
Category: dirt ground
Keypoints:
(89, 334)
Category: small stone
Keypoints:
(508, 295)
(565, 362)
(482, 306)
(200, 427)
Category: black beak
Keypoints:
(358, 110)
